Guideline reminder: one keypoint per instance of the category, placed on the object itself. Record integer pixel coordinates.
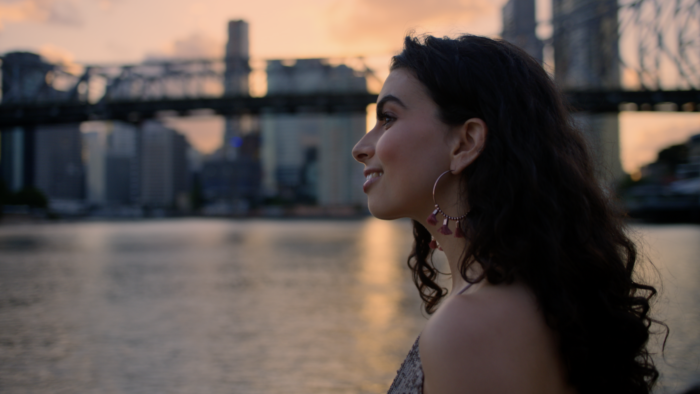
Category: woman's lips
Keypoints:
(371, 179)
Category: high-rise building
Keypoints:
(122, 168)
(519, 26)
(586, 57)
(24, 79)
(586, 54)
(94, 147)
(164, 171)
(236, 84)
(306, 156)
(237, 56)
(111, 164)
(229, 183)
(17, 157)
(58, 163)
(46, 157)
(230, 178)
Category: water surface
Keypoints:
(254, 306)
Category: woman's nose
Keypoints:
(364, 149)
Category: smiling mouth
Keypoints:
(373, 175)
(370, 179)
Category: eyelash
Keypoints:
(385, 118)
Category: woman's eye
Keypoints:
(385, 119)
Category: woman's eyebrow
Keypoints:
(386, 99)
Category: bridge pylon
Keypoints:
(586, 57)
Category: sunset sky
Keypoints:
(127, 31)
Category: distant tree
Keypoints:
(5, 193)
(625, 183)
(196, 195)
(672, 156)
(30, 196)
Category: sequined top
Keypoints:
(409, 378)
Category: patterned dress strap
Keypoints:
(409, 378)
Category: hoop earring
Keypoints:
(432, 219)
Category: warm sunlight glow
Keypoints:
(379, 268)
(644, 134)
(371, 116)
(379, 274)
(204, 133)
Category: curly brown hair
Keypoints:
(538, 212)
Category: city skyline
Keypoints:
(94, 32)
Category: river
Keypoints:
(248, 306)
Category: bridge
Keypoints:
(661, 51)
(51, 112)
(134, 111)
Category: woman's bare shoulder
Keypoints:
(492, 340)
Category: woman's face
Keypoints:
(405, 151)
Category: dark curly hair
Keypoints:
(538, 212)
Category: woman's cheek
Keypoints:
(388, 150)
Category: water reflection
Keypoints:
(379, 272)
(258, 306)
(380, 284)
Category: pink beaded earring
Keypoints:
(432, 219)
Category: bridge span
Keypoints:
(36, 92)
(15, 114)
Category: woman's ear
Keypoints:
(468, 142)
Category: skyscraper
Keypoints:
(306, 156)
(236, 83)
(24, 79)
(17, 157)
(519, 25)
(586, 54)
(231, 177)
(164, 172)
(95, 146)
(237, 56)
(586, 58)
(58, 166)
(111, 164)
(122, 164)
(234, 183)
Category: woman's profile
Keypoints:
(474, 143)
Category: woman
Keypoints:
(474, 144)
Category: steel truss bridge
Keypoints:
(660, 41)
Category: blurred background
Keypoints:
(181, 212)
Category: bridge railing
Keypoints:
(657, 47)
(31, 81)
(660, 43)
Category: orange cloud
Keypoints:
(194, 46)
(56, 55)
(62, 12)
(378, 24)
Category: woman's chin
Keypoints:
(384, 217)
(383, 213)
